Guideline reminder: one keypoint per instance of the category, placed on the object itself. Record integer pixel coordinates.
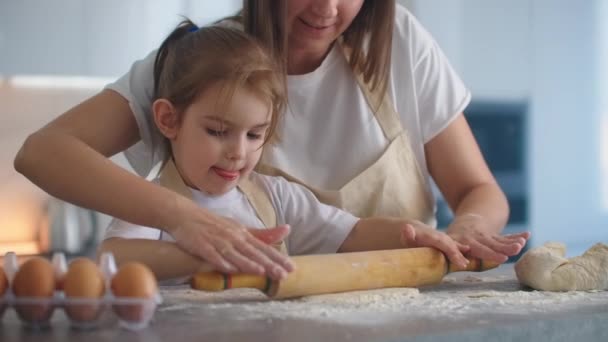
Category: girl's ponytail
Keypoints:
(180, 31)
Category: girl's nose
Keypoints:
(236, 149)
(325, 8)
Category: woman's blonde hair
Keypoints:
(192, 59)
(371, 31)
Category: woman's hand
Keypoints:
(418, 234)
(229, 246)
(471, 230)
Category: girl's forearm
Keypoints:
(375, 233)
(164, 258)
(488, 202)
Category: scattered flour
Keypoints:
(455, 298)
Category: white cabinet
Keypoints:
(41, 37)
(94, 38)
(487, 42)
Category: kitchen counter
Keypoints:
(489, 306)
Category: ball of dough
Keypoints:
(546, 268)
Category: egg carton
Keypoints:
(83, 313)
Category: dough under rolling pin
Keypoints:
(342, 272)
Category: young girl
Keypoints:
(219, 97)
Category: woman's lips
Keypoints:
(313, 27)
(227, 175)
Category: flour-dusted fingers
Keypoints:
(426, 237)
(273, 236)
(408, 235)
(462, 247)
(508, 247)
(251, 255)
(227, 244)
(210, 254)
(276, 264)
(478, 250)
(220, 241)
(520, 241)
(521, 238)
(274, 255)
(268, 267)
(242, 261)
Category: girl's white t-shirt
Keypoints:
(316, 228)
(329, 134)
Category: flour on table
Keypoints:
(377, 298)
(454, 299)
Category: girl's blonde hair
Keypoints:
(192, 59)
(371, 31)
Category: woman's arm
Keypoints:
(70, 154)
(68, 158)
(480, 207)
(378, 233)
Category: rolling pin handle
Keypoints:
(216, 281)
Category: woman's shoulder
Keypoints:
(408, 29)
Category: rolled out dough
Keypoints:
(546, 268)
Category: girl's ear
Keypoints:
(166, 118)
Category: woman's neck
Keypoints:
(303, 61)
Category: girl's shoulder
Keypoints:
(280, 189)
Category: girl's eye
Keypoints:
(254, 136)
(215, 133)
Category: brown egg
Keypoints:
(134, 280)
(35, 279)
(83, 285)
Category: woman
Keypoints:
(375, 110)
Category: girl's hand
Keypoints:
(231, 247)
(417, 234)
(472, 230)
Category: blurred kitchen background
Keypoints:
(538, 70)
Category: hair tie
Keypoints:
(194, 28)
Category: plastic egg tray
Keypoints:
(83, 313)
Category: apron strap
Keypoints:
(171, 179)
(380, 103)
(260, 202)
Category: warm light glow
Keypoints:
(72, 82)
(24, 222)
(20, 248)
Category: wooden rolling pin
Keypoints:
(342, 272)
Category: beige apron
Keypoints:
(257, 197)
(392, 186)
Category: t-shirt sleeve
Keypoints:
(441, 93)
(316, 228)
(122, 229)
(137, 87)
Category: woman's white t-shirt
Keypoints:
(316, 228)
(329, 135)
